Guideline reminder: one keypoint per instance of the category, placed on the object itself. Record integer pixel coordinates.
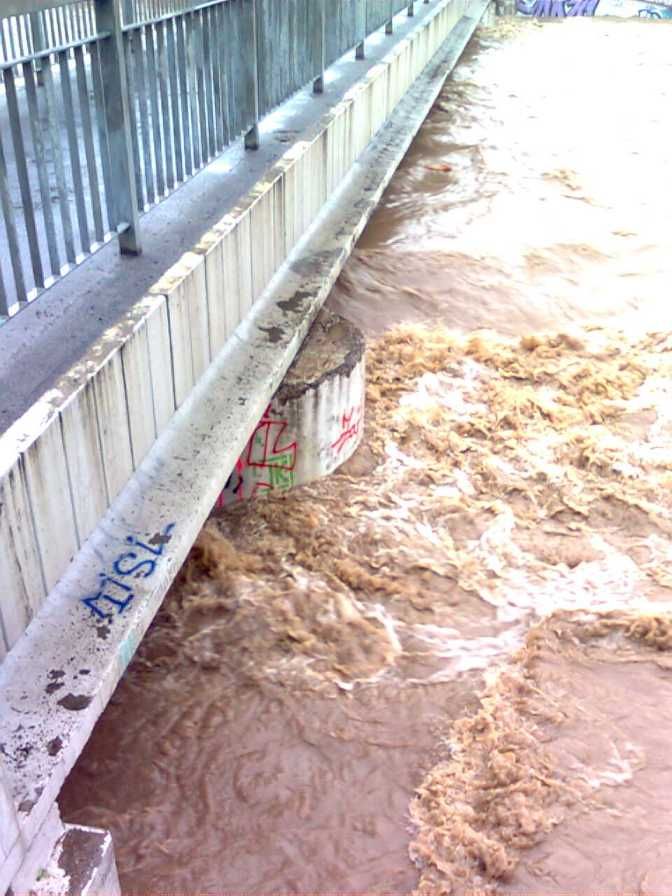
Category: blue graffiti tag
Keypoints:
(114, 593)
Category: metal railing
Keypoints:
(106, 106)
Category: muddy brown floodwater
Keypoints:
(447, 668)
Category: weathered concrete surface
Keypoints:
(315, 420)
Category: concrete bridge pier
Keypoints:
(314, 422)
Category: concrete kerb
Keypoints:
(93, 619)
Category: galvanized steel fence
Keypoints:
(106, 106)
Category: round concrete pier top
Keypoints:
(333, 347)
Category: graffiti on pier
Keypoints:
(268, 462)
(569, 8)
(350, 426)
(115, 589)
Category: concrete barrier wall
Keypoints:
(65, 461)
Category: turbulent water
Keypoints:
(447, 668)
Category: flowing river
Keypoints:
(448, 667)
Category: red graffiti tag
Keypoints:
(350, 424)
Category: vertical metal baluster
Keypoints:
(360, 49)
(209, 77)
(54, 121)
(73, 149)
(193, 88)
(81, 23)
(411, 8)
(224, 62)
(175, 100)
(42, 170)
(219, 73)
(89, 150)
(22, 173)
(4, 304)
(58, 13)
(389, 25)
(123, 198)
(232, 50)
(39, 43)
(25, 36)
(91, 28)
(99, 101)
(162, 70)
(127, 12)
(67, 24)
(200, 83)
(48, 27)
(252, 136)
(318, 83)
(15, 37)
(4, 41)
(56, 23)
(143, 112)
(133, 124)
(10, 227)
(21, 43)
(153, 86)
(189, 161)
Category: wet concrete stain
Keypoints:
(274, 334)
(296, 302)
(54, 746)
(75, 702)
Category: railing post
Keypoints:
(127, 7)
(411, 8)
(318, 83)
(39, 43)
(252, 136)
(359, 49)
(123, 201)
(389, 25)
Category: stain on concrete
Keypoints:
(53, 687)
(315, 262)
(274, 334)
(54, 746)
(55, 674)
(296, 302)
(157, 539)
(75, 702)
